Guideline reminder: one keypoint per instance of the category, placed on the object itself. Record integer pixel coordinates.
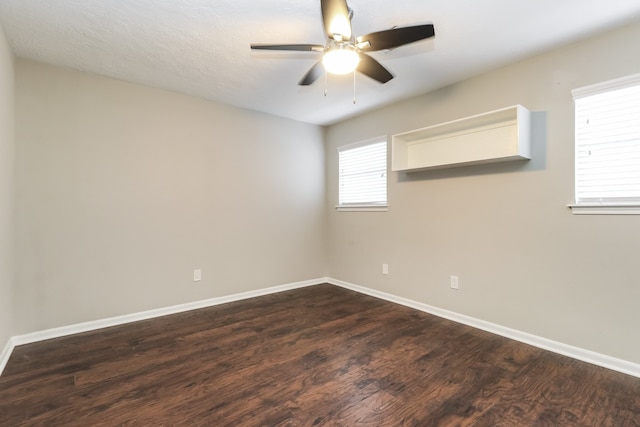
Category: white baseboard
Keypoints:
(6, 353)
(150, 314)
(578, 353)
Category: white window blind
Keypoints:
(607, 126)
(362, 179)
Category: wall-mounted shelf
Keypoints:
(496, 136)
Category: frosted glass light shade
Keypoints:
(341, 60)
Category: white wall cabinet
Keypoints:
(496, 136)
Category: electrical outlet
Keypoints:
(454, 282)
(197, 275)
(385, 269)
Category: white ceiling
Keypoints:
(201, 47)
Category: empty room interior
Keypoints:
(178, 245)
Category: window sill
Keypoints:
(363, 208)
(595, 209)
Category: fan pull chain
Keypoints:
(325, 82)
(354, 86)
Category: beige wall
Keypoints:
(6, 189)
(523, 259)
(123, 190)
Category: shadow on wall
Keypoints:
(538, 159)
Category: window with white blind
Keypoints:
(607, 126)
(362, 179)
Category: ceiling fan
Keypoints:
(344, 53)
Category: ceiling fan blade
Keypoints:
(372, 68)
(336, 19)
(312, 75)
(296, 47)
(395, 37)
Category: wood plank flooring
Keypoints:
(318, 356)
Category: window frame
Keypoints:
(606, 207)
(366, 206)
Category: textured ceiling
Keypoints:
(201, 47)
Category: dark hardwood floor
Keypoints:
(318, 356)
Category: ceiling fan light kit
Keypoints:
(341, 59)
(343, 53)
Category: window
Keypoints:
(362, 180)
(608, 147)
